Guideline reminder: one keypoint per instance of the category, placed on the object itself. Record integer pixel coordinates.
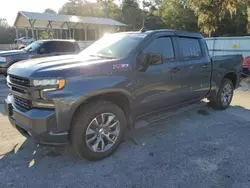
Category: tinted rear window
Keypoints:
(62, 46)
(190, 47)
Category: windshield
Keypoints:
(116, 45)
(33, 46)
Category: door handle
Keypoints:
(175, 70)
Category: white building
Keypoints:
(66, 26)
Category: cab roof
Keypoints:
(60, 40)
(167, 31)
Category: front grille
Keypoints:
(22, 104)
(18, 90)
(19, 80)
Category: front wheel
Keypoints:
(97, 130)
(224, 96)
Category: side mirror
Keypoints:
(146, 60)
(41, 51)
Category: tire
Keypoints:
(221, 102)
(89, 123)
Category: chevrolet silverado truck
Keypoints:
(92, 99)
(41, 48)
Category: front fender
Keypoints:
(77, 92)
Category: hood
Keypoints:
(12, 52)
(62, 67)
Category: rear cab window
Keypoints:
(64, 46)
(77, 48)
(190, 47)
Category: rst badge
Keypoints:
(120, 66)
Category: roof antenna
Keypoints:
(143, 29)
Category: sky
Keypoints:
(9, 8)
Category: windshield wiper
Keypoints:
(102, 56)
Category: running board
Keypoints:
(163, 115)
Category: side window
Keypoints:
(70, 47)
(49, 47)
(163, 46)
(65, 47)
(77, 49)
(190, 47)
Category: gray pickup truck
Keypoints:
(41, 48)
(92, 99)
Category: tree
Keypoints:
(176, 15)
(67, 9)
(208, 12)
(211, 17)
(114, 11)
(105, 7)
(151, 15)
(247, 3)
(3, 22)
(110, 9)
(44, 35)
(7, 33)
(80, 8)
(234, 25)
(211, 12)
(131, 14)
(49, 10)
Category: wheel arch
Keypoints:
(118, 97)
(233, 77)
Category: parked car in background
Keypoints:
(91, 99)
(25, 39)
(41, 48)
(23, 42)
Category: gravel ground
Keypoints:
(197, 148)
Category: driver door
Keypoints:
(152, 86)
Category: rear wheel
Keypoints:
(224, 96)
(97, 130)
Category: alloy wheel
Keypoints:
(102, 132)
(226, 94)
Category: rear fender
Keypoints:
(217, 80)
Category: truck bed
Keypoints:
(225, 63)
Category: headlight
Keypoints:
(3, 59)
(49, 82)
(7, 78)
